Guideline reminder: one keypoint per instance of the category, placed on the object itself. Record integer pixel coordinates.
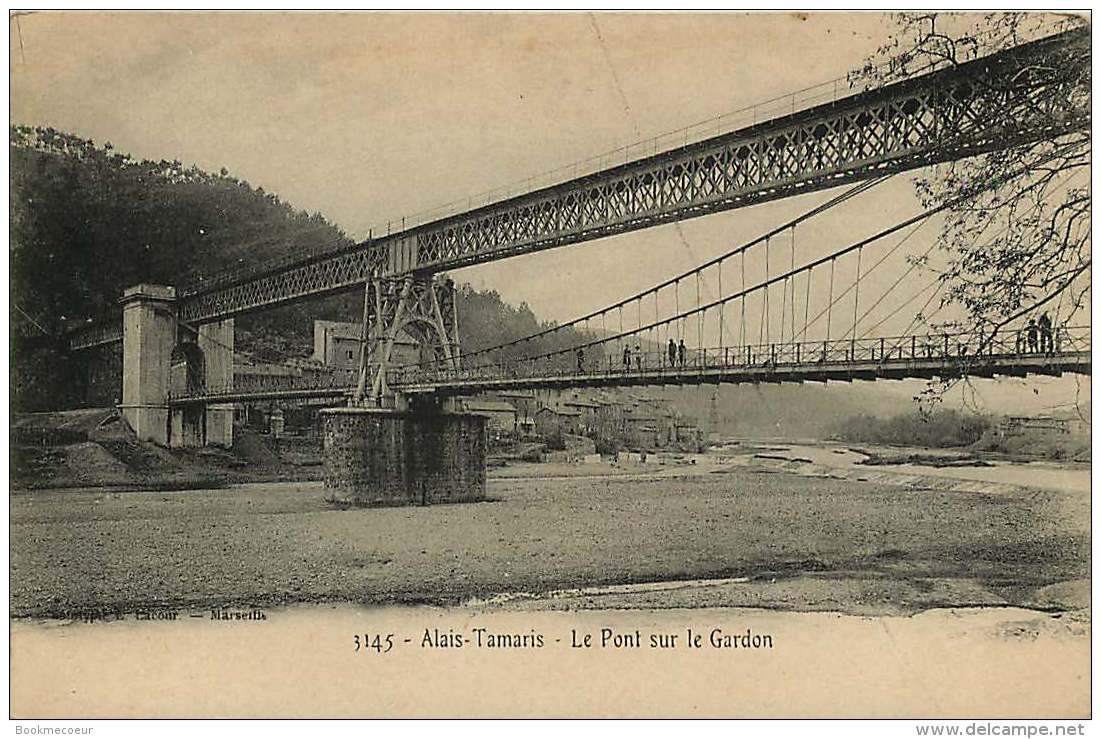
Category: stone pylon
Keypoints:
(162, 357)
(148, 338)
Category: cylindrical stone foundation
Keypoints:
(379, 457)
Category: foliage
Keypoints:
(1037, 445)
(944, 428)
(556, 441)
(607, 446)
(486, 321)
(533, 453)
(1025, 240)
(1024, 245)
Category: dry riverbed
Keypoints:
(773, 540)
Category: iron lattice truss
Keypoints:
(1027, 93)
(419, 306)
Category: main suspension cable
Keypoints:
(674, 281)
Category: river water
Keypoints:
(1070, 477)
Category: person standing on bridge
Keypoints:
(1047, 346)
(626, 358)
(638, 356)
(672, 352)
(1031, 333)
(681, 351)
(580, 360)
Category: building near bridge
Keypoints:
(645, 436)
(1066, 423)
(587, 411)
(642, 428)
(500, 416)
(609, 416)
(688, 436)
(526, 404)
(337, 344)
(551, 422)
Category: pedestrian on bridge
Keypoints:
(626, 358)
(1033, 332)
(638, 357)
(580, 360)
(681, 350)
(1047, 346)
(672, 352)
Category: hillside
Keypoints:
(88, 221)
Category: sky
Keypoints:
(367, 117)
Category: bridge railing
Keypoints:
(959, 347)
(333, 379)
(962, 348)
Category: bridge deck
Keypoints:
(891, 369)
(1012, 364)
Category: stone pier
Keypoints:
(381, 457)
(148, 337)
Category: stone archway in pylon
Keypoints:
(187, 370)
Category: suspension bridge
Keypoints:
(924, 356)
(779, 310)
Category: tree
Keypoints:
(1024, 243)
(1023, 246)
